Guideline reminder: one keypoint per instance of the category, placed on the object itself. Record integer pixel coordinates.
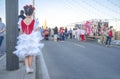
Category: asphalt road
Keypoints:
(78, 60)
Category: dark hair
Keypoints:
(22, 12)
(29, 10)
(111, 26)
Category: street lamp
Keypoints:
(33, 2)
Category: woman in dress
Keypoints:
(28, 44)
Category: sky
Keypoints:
(64, 12)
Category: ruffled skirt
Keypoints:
(29, 45)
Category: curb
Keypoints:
(2, 57)
(42, 71)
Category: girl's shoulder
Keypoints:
(36, 22)
(19, 21)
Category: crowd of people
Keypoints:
(78, 33)
(63, 33)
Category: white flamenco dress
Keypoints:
(28, 43)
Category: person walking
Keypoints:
(82, 34)
(61, 32)
(70, 33)
(56, 34)
(66, 33)
(46, 33)
(21, 16)
(28, 44)
(104, 34)
(2, 30)
(73, 33)
(109, 36)
(78, 34)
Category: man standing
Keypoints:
(21, 15)
(2, 30)
(56, 34)
(109, 36)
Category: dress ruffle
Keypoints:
(29, 45)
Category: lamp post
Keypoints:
(12, 61)
(33, 2)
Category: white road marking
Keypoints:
(44, 68)
(79, 45)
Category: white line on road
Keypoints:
(79, 45)
(44, 68)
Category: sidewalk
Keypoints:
(38, 66)
(1, 53)
(16, 74)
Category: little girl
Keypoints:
(28, 44)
